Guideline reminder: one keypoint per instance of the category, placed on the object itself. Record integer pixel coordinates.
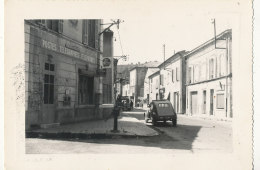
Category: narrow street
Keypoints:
(192, 135)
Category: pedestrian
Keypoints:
(131, 104)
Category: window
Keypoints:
(85, 89)
(196, 73)
(173, 75)
(91, 33)
(157, 83)
(189, 75)
(107, 93)
(177, 74)
(220, 101)
(55, 25)
(49, 84)
(40, 22)
(211, 68)
(161, 79)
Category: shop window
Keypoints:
(220, 101)
(85, 89)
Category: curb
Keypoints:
(69, 135)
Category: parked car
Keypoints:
(161, 110)
(126, 103)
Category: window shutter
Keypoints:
(216, 67)
(97, 25)
(60, 27)
(85, 32)
(173, 75)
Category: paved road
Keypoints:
(191, 135)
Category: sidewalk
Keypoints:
(207, 118)
(127, 127)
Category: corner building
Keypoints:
(209, 78)
(61, 60)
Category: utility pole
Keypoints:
(117, 103)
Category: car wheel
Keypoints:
(174, 122)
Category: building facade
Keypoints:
(150, 71)
(154, 85)
(172, 81)
(209, 78)
(62, 58)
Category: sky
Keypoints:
(142, 38)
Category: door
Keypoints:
(176, 102)
(48, 115)
(211, 101)
(193, 103)
(204, 101)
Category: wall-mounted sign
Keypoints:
(107, 62)
(67, 51)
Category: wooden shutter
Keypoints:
(85, 32)
(60, 26)
(97, 28)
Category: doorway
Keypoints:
(48, 115)
(204, 101)
(194, 102)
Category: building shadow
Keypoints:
(180, 137)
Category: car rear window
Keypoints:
(163, 105)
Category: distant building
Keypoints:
(154, 85)
(172, 81)
(150, 71)
(62, 78)
(126, 89)
(137, 81)
(209, 78)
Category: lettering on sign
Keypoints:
(67, 51)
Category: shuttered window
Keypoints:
(92, 33)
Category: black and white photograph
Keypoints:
(162, 86)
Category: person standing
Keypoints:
(131, 104)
